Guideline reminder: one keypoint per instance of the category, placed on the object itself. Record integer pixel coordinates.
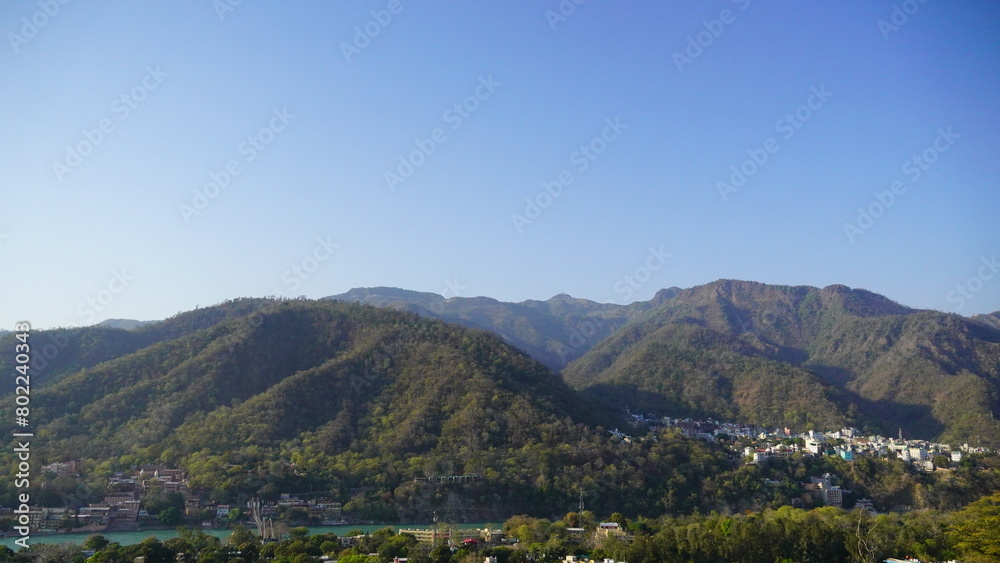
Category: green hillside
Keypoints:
(63, 351)
(805, 357)
(260, 397)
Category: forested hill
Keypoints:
(63, 351)
(261, 397)
(991, 320)
(803, 356)
(555, 332)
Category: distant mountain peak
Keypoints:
(665, 294)
(864, 303)
(381, 292)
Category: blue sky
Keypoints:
(646, 110)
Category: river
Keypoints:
(129, 538)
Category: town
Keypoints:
(123, 509)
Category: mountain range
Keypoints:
(778, 355)
(285, 396)
(376, 392)
(554, 332)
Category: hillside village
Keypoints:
(758, 445)
(122, 508)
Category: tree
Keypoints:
(941, 461)
(241, 535)
(191, 541)
(96, 542)
(864, 543)
(976, 528)
(170, 516)
(56, 553)
(153, 551)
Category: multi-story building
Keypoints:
(833, 496)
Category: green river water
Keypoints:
(128, 538)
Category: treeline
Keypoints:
(663, 475)
(786, 535)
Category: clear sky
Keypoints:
(163, 156)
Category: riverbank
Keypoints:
(129, 538)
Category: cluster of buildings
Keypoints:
(846, 442)
(323, 510)
(472, 536)
(455, 537)
(121, 508)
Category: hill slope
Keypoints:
(58, 352)
(991, 320)
(330, 396)
(802, 356)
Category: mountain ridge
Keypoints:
(859, 357)
(554, 331)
